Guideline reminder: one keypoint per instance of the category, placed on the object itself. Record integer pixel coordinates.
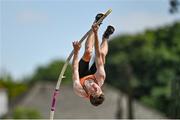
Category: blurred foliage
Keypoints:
(13, 88)
(175, 98)
(51, 72)
(173, 6)
(25, 113)
(154, 56)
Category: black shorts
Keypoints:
(84, 68)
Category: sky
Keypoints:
(35, 32)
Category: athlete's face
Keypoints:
(96, 90)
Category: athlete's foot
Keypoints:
(98, 16)
(109, 31)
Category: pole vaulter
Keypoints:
(61, 76)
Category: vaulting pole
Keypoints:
(61, 76)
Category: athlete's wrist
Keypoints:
(76, 52)
(96, 33)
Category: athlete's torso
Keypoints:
(89, 84)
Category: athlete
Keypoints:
(87, 82)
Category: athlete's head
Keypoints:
(97, 96)
(97, 99)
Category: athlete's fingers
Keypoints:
(95, 27)
(74, 43)
(78, 44)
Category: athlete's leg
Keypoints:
(84, 62)
(90, 42)
(104, 44)
(104, 48)
(104, 51)
(88, 47)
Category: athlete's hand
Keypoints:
(95, 28)
(76, 46)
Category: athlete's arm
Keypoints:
(75, 76)
(75, 63)
(98, 57)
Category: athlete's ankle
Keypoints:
(109, 31)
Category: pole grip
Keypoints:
(54, 98)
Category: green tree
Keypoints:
(51, 72)
(154, 56)
(13, 88)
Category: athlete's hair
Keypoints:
(97, 100)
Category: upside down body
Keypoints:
(87, 82)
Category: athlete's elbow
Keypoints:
(103, 76)
(98, 54)
(75, 77)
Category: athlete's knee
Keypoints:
(103, 54)
(88, 51)
(87, 54)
